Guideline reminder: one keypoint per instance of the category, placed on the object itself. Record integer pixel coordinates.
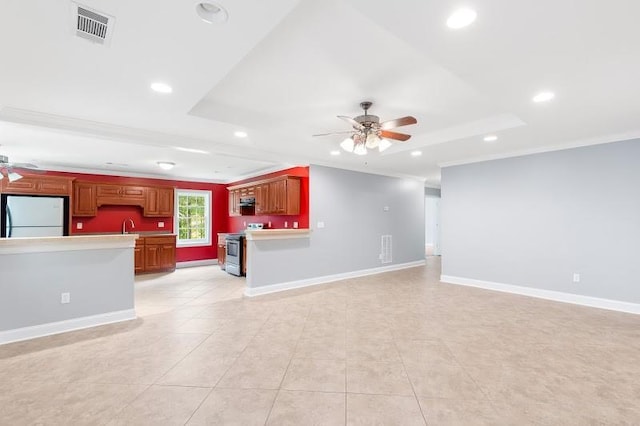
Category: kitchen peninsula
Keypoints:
(56, 284)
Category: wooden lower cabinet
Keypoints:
(138, 256)
(155, 253)
(222, 250)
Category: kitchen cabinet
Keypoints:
(262, 199)
(155, 201)
(38, 185)
(157, 253)
(120, 195)
(222, 250)
(234, 202)
(158, 202)
(84, 199)
(138, 256)
(275, 196)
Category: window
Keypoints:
(193, 218)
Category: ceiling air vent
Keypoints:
(92, 25)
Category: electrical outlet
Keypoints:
(245, 224)
(79, 225)
(295, 224)
(65, 297)
(269, 224)
(576, 277)
(160, 224)
(286, 224)
(320, 225)
(385, 208)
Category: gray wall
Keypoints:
(351, 205)
(535, 220)
(100, 281)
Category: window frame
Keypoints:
(207, 215)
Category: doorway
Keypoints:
(432, 223)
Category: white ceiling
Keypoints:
(282, 70)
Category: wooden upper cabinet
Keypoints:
(120, 195)
(275, 196)
(234, 202)
(84, 199)
(158, 202)
(40, 185)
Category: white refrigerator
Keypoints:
(27, 216)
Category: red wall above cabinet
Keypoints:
(237, 223)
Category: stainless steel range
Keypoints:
(235, 254)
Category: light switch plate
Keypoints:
(160, 224)
(79, 225)
(65, 297)
(295, 224)
(320, 225)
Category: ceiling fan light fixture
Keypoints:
(347, 144)
(372, 140)
(384, 144)
(13, 176)
(360, 149)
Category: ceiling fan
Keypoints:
(7, 168)
(368, 132)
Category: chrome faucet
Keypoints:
(124, 225)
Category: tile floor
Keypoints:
(398, 348)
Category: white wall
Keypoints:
(534, 221)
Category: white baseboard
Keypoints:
(25, 333)
(192, 263)
(576, 299)
(273, 288)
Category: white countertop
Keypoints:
(71, 243)
(276, 234)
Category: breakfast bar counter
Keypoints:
(56, 284)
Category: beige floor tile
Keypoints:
(321, 348)
(373, 377)
(315, 375)
(441, 411)
(255, 373)
(372, 350)
(239, 407)
(72, 403)
(162, 405)
(442, 381)
(383, 410)
(297, 408)
(200, 368)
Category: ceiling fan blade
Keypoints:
(394, 135)
(351, 121)
(402, 121)
(333, 133)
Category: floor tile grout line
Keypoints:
(415, 395)
(287, 369)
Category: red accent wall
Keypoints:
(110, 218)
(237, 223)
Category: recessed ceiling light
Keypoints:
(543, 97)
(195, 151)
(461, 18)
(240, 134)
(161, 87)
(335, 152)
(416, 153)
(490, 138)
(211, 13)
(166, 165)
